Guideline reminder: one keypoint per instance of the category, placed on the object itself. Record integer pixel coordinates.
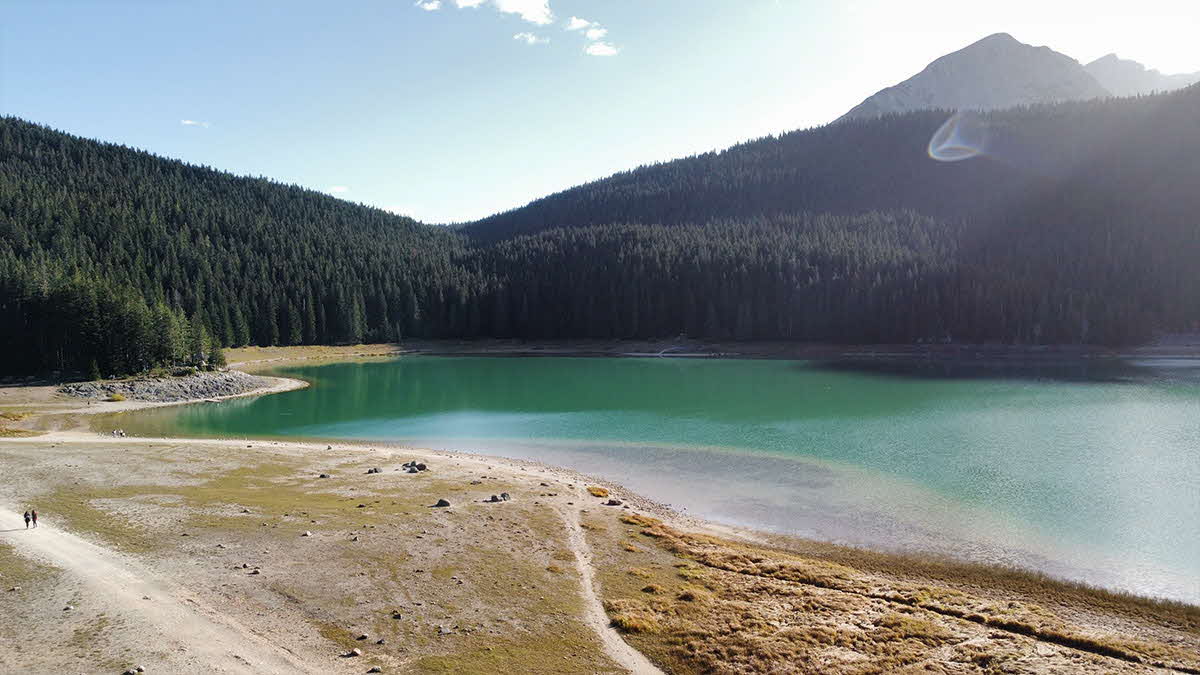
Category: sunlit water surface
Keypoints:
(1089, 472)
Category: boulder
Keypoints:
(421, 467)
(442, 503)
(504, 496)
(613, 502)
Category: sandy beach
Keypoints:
(185, 555)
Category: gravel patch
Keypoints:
(167, 389)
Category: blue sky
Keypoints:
(450, 113)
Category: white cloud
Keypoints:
(533, 11)
(338, 189)
(194, 123)
(538, 12)
(531, 39)
(601, 49)
(595, 33)
(576, 23)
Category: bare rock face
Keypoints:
(1123, 77)
(996, 72)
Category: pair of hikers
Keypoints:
(30, 515)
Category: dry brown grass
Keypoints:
(598, 492)
(719, 606)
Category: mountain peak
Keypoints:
(999, 38)
(998, 71)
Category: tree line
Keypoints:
(1080, 227)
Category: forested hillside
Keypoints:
(1081, 225)
(1112, 162)
(100, 243)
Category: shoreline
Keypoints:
(266, 369)
(253, 358)
(83, 431)
(580, 523)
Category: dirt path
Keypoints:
(594, 615)
(173, 626)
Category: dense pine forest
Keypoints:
(1081, 225)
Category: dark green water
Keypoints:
(1090, 473)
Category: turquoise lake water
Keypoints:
(1089, 472)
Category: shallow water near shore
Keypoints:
(1088, 471)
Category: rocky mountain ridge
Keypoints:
(1001, 72)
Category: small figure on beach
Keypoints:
(33, 513)
(27, 519)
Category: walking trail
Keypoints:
(176, 626)
(594, 615)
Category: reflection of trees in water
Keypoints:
(1079, 371)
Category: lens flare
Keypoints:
(963, 136)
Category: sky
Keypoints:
(451, 110)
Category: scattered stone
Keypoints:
(613, 502)
(329, 447)
(361, 506)
(375, 669)
(68, 608)
(422, 467)
(443, 630)
(413, 469)
(364, 636)
(324, 475)
(354, 538)
(306, 534)
(255, 571)
(381, 641)
(441, 503)
(197, 386)
(353, 653)
(504, 496)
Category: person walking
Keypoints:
(27, 520)
(34, 514)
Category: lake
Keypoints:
(1087, 472)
